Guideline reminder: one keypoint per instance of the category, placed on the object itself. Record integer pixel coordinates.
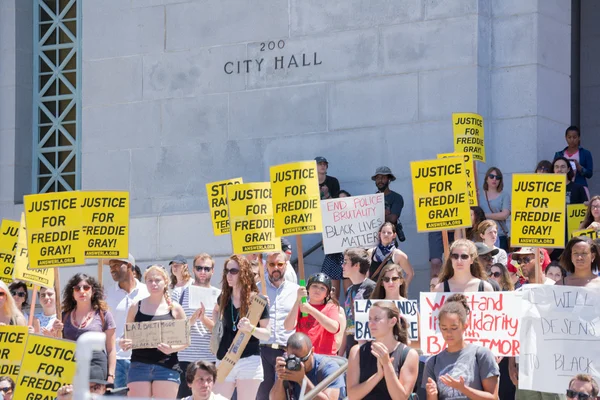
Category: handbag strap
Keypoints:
(383, 263)
(501, 223)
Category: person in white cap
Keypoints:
(125, 291)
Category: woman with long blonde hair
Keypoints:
(9, 312)
(154, 372)
(461, 271)
(237, 291)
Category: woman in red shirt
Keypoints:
(321, 322)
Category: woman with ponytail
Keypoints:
(385, 368)
(462, 370)
(154, 372)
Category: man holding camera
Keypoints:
(301, 362)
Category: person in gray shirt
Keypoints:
(462, 370)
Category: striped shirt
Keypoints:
(199, 349)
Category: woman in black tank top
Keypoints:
(385, 366)
(154, 372)
(462, 271)
(386, 253)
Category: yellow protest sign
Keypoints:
(575, 216)
(468, 134)
(538, 210)
(440, 194)
(251, 218)
(21, 271)
(105, 220)
(296, 198)
(217, 201)
(469, 172)
(54, 223)
(48, 364)
(591, 233)
(12, 347)
(9, 231)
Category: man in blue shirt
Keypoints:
(314, 367)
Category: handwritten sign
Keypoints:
(251, 218)
(48, 364)
(9, 231)
(21, 271)
(105, 219)
(492, 323)
(408, 309)
(217, 201)
(12, 347)
(440, 194)
(296, 198)
(469, 172)
(591, 233)
(148, 335)
(575, 216)
(352, 222)
(468, 134)
(559, 336)
(538, 210)
(54, 237)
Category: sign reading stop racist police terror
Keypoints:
(9, 231)
(538, 210)
(217, 201)
(296, 198)
(440, 194)
(54, 223)
(251, 218)
(469, 172)
(12, 347)
(48, 364)
(105, 219)
(21, 271)
(468, 134)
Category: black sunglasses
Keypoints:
(485, 257)
(571, 394)
(494, 176)
(233, 271)
(6, 389)
(20, 294)
(495, 274)
(393, 278)
(201, 268)
(461, 256)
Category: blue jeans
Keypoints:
(121, 373)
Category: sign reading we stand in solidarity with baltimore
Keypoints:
(9, 232)
(251, 218)
(440, 194)
(538, 210)
(217, 202)
(468, 135)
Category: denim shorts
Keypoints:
(142, 372)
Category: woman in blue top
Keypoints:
(582, 158)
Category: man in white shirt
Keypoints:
(120, 296)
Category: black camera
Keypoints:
(400, 232)
(293, 363)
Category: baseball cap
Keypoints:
(179, 259)
(286, 246)
(384, 171)
(129, 259)
(483, 249)
(320, 159)
(525, 250)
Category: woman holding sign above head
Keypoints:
(461, 271)
(462, 370)
(154, 372)
(580, 259)
(9, 313)
(592, 215)
(387, 253)
(237, 291)
(385, 368)
(496, 204)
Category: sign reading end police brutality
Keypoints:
(468, 134)
(440, 194)
(296, 198)
(217, 201)
(54, 229)
(251, 218)
(538, 210)
(105, 217)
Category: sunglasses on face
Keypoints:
(571, 394)
(2, 294)
(82, 288)
(20, 294)
(524, 260)
(6, 389)
(495, 274)
(233, 271)
(201, 268)
(386, 279)
(486, 257)
(278, 265)
(461, 256)
(495, 177)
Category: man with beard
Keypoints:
(201, 322)
(393, 201)
(282, 296)
(126, 291)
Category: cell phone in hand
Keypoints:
(573, 165)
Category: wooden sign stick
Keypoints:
(58, 298)
(446, 245)
(100, 265)
(32, 307)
